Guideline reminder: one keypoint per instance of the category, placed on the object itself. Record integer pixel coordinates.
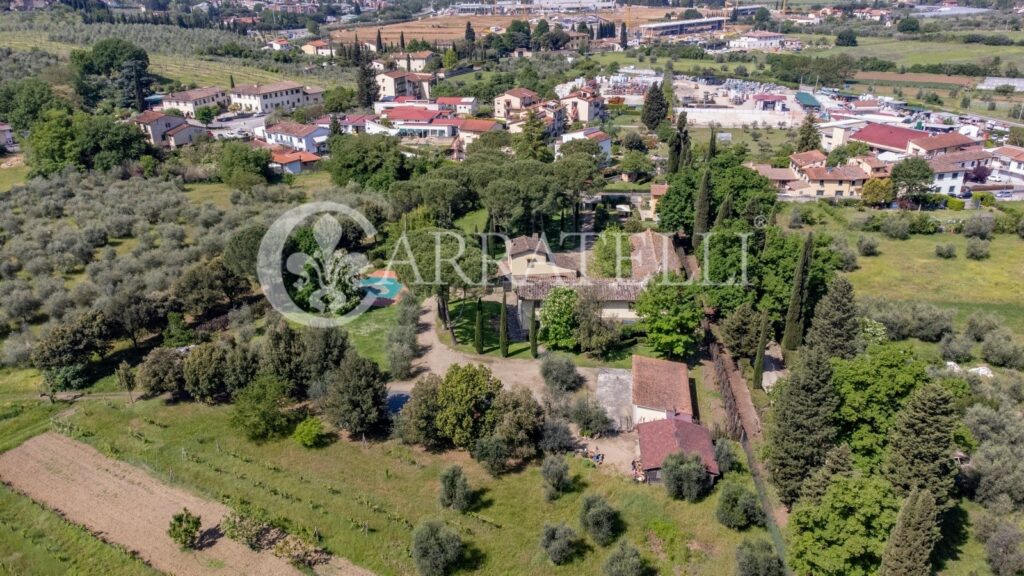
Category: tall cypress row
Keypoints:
(911, 540)
(794, 333)
(724, 211)
(478, 329)
(503, 328)
(702, 210)
(762, 341)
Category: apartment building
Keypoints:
(264, 98)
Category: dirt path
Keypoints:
(124, 505)
(437, 357)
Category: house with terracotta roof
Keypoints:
(530, 258)
(934, 144)
(584, 105)
(594, 134)
(661, 390)
(660, 439)
(301, 137)
(1009, 162)
(191, 100)
(347, 123)
(873, 166)
(947, 176)
(292, 162)
(264, 98)
(832, 182)
(279, 45)
(395, 83)
(164, 130)
(886, 138)
(811, 158)
(513, 102)
(658, 192)
(782, 178)
(412, 61)
(321, 48)
(458, 104)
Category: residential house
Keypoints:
(782, 178)
(6, 135)
(757, 40)
(616, 296)
(264, 98)
(872, 166)
(651, 255)
(1009, 163)
(661, 390)
(887, 138)
(658, 192)
(301, 137)
(970, 158)
(470, 129)
(551, 113)
(164, 130)
(191, 100)
(292, 162)
(397, 83)
(934, 144)
(412, 61)
(661, 438)
(530, 258)
(948, 177)
(347, 123)
(837, 132)
(809, 159)
(837, 182)
(459, 104)
(279, 45)
(604, 141)
(513, 102)
(319, 48)
(584, 105)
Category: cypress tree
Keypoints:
(366, 88)
(674, 151)
(911, 540)
(478, 328)
(231, 80)
(762, 341)
(533, 331)
(380, 42)
(470, 34)
(838, 461)
(794, 332)
(920, 443)
(835, 322)
(401, 40)
(655, 108)
(724, 211)
(623, 38)
(685, 148)
(703, 208)
(712, 145)
(803, 429)
(503, 328)
(808, 137)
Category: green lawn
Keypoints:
(473, 222)
(389, 488)
(9, 177)
(35, 540)
(910, 52)
(368, 333)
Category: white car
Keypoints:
(995, 178)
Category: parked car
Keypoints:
(995, 178)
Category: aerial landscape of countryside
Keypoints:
(531, 287)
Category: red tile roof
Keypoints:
(885, 136)
(941, 141)
(317, 43)
(598, 136)
(1012, 152)
(661, 385)
(477, 125)
(148, 117)
(283, 157)
(769, 98)
(802, 159)
(658, 190)
(838, 173)
(652, 254)
(193, 95)
(455, 100)
(411, 114)
(293, 129)
(521, 93)
(661, 438)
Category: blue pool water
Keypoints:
(382, 288)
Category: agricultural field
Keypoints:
(10, 177)
(910, 52)
(364, 497)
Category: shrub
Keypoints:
(847, 257)
(946, 251)
(896, 228)
(985, 198)
(1020, 228)
(977, 249)
(559, 373)
(436, 549)
(1001, 348)
(955, 204)
(248, 525)
(625, 561)
(739, 508)
(979, 325)
(758, 558)
(492, 453)
(455, 493)
(867, 246)
(956, 348)
(559, 542)
(979, 227)
(599, 520)
(904, 320)
(685, 477)
(587, 413)
(556, 437)
(555, 473)
(724, 456)
(921, 223)
(310, 433)
(184, 529)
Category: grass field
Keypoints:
(9, 177)
(910, 52)
(387, 488)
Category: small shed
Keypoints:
(662, 438)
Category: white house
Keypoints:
(318, 48)
(459, 104)
(300, 137)
(758, 40)
(191, 100)
(397, 83)
(1009, 163)
(164, 130)
(514, 101)
(279, 45)
(604, 141)
(412, 61)
(948, 176)
(267, 97)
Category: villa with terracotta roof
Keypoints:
(835, 182)
(318, 48)
(396, 83)
(268, 97)
(165, 130)
(584, 105)
(886, 138)
(661, 438)
(939, 144)
(513, 102)
(301, 137)
(1009, 162)
(661, 390)
(802, 160)
(594, 134)
(191, 100)
(459, 104)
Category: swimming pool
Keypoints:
(382, 288)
